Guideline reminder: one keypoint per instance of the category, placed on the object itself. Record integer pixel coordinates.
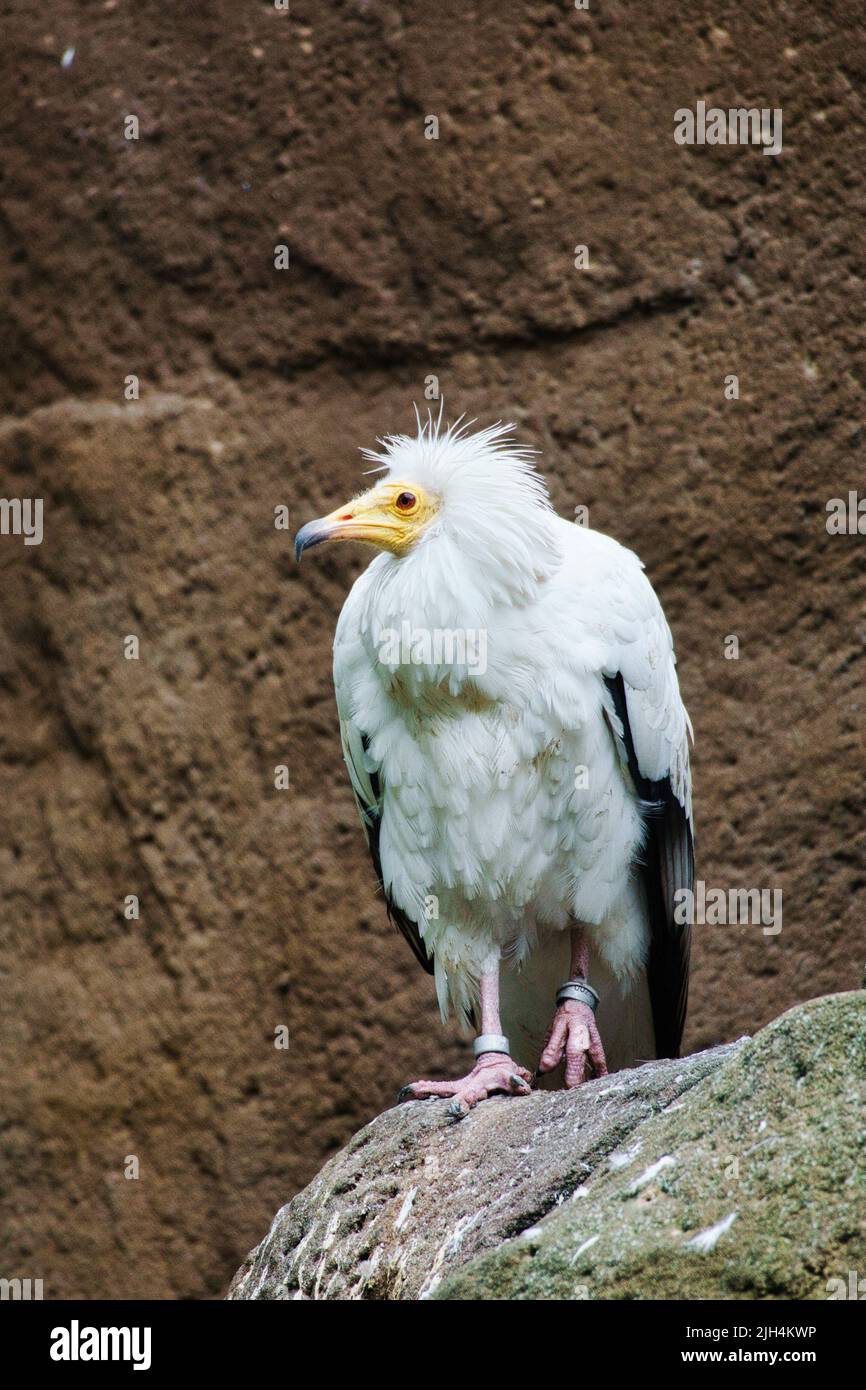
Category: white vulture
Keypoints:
(518, 749)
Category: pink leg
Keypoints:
(573, 1032)
(494, 1071)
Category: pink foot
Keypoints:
(574, 1035)
(494, 1071)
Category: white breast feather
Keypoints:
(480, 812)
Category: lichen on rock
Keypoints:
(734, 1173)
(754, 1187)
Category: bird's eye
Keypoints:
(405, 502)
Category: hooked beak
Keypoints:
(367, 518)
(312, 534)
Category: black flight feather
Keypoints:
(668, 865)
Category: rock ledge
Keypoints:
(734, 1173)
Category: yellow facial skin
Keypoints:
(390, 516)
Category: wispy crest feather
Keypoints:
(439, 455)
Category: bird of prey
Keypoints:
(519, 752)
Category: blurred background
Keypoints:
(409, 258)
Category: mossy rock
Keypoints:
(752, 1185)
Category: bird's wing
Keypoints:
(368, 790)
(651, 729)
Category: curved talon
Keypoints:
(403, 1092)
